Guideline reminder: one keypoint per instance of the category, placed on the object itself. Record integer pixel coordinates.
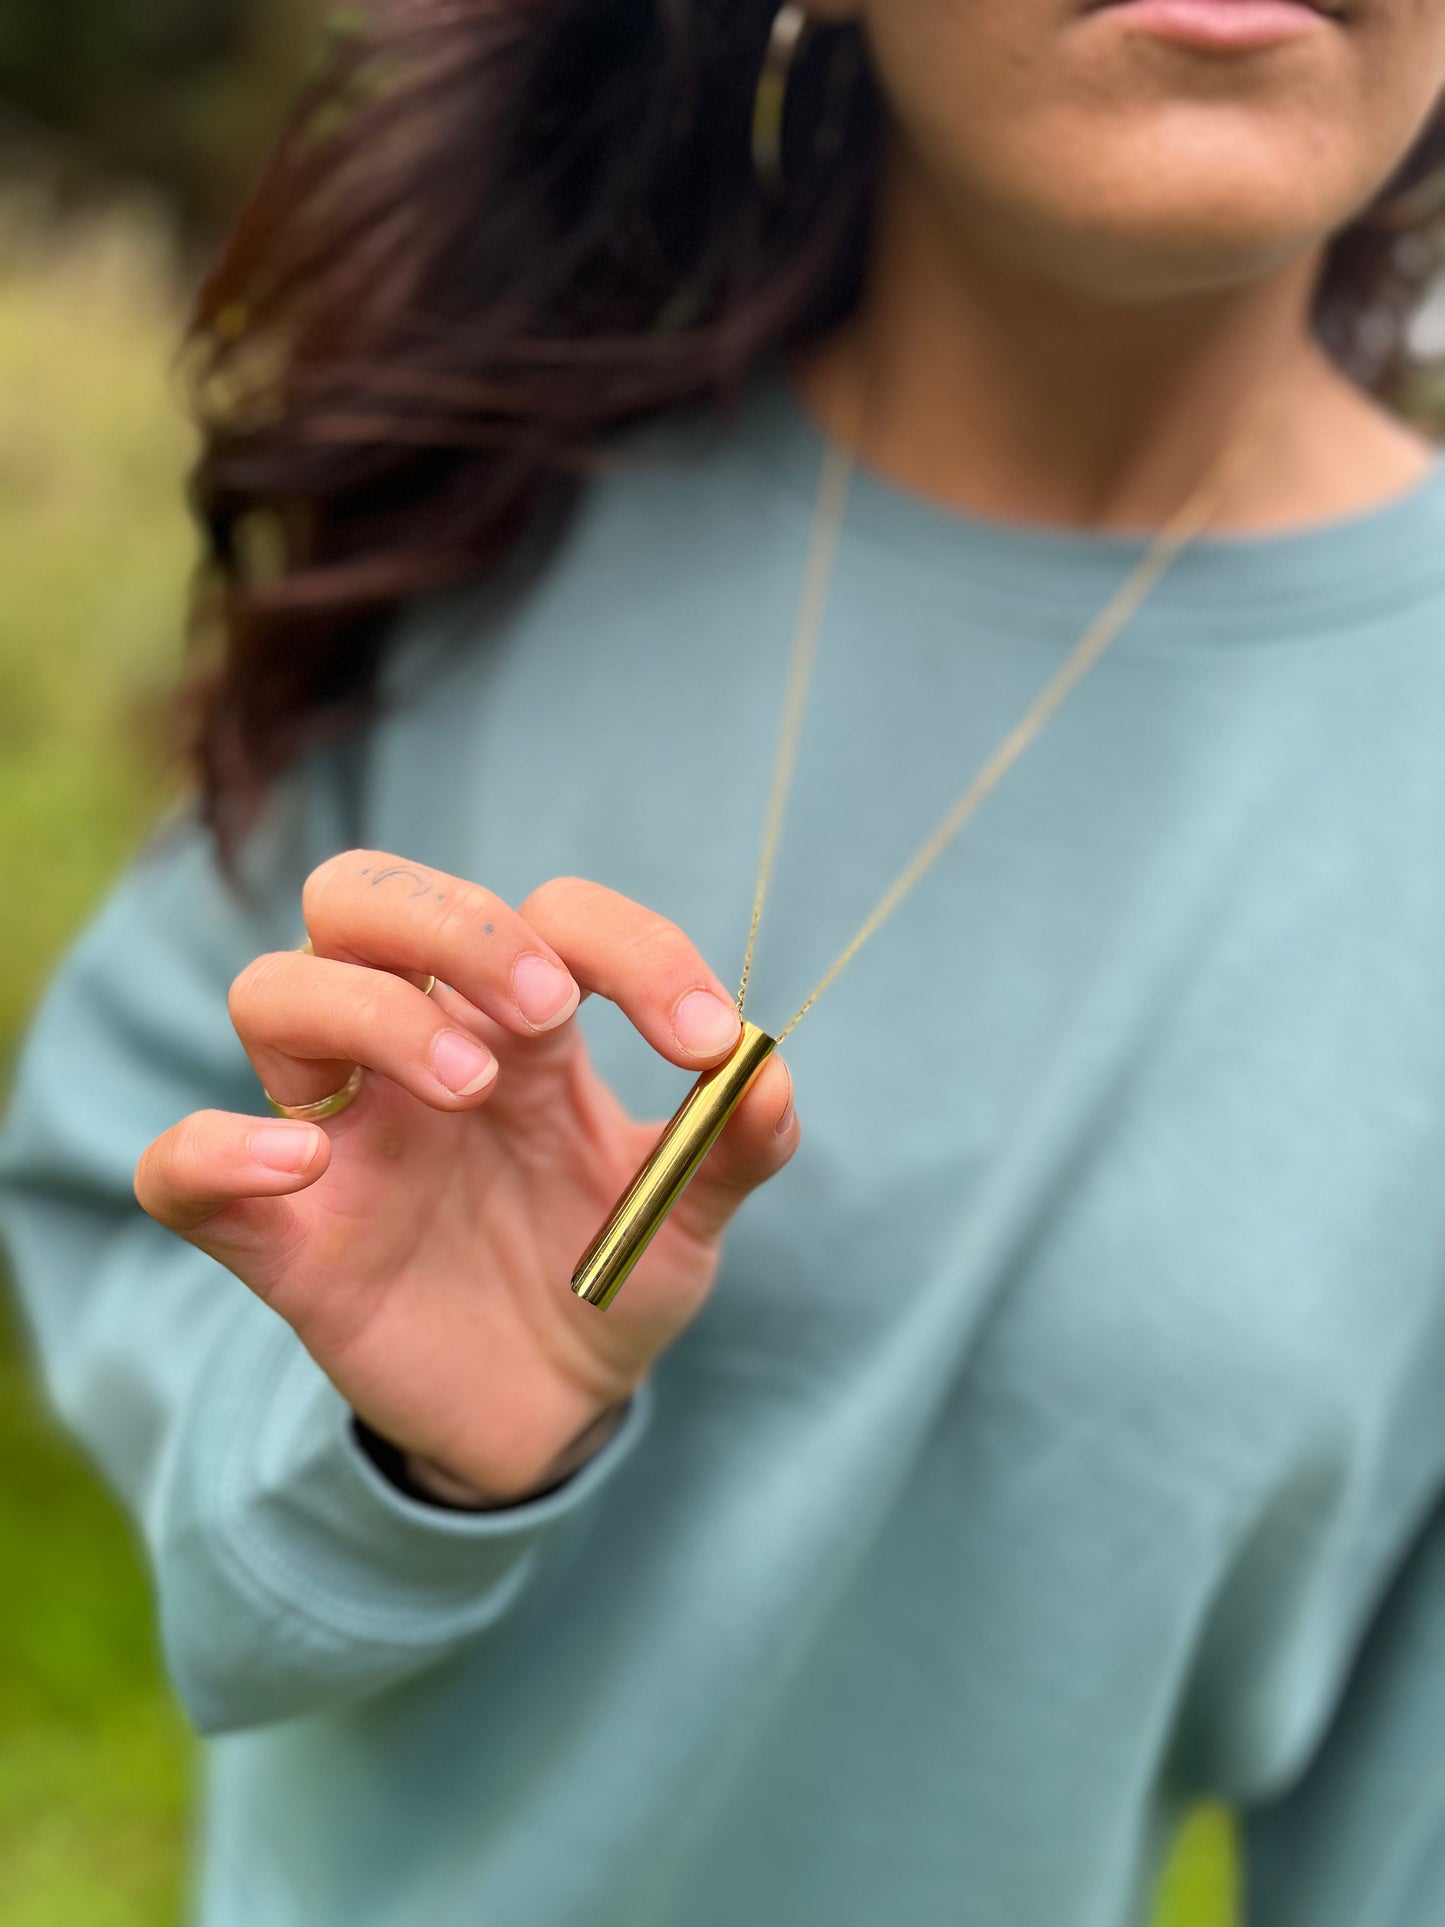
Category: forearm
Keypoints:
(290, 1575)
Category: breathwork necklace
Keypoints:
(690, 1134)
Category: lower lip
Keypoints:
(1219, 23)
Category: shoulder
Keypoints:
(683, 507)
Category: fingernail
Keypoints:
(545, 995)
(785, 1122)
(285, 1147)
(461, 1063)
(705, 1024)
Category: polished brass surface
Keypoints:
(691, 1133)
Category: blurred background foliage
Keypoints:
(128, 130)
(94, 552)
(176, 95)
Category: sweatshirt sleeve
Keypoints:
(1360, 1840)
(291, 1575)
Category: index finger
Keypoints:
(368, 907)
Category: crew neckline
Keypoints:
(1277, 584)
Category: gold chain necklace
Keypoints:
(690, 1134)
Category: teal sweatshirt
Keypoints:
(1064, 1441)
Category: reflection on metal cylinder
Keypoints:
(603, 1268)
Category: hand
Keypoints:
(422, 1244)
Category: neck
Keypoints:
(978, 381)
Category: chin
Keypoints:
(1160, 230)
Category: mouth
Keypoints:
(1223, 25)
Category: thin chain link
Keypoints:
(837, 470)
(822, 554)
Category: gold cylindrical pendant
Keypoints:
(603, 1268)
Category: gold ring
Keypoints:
(320, 1107)
(307, 951)
(332, 1106)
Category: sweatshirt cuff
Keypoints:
(303, 1516)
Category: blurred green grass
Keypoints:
(94, 555)
(94, 551)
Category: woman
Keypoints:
(1060, 1441)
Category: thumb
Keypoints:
(221, 1181)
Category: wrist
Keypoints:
(432, 1483)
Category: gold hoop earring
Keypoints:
(791, 30)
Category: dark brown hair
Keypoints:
(491, 233)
